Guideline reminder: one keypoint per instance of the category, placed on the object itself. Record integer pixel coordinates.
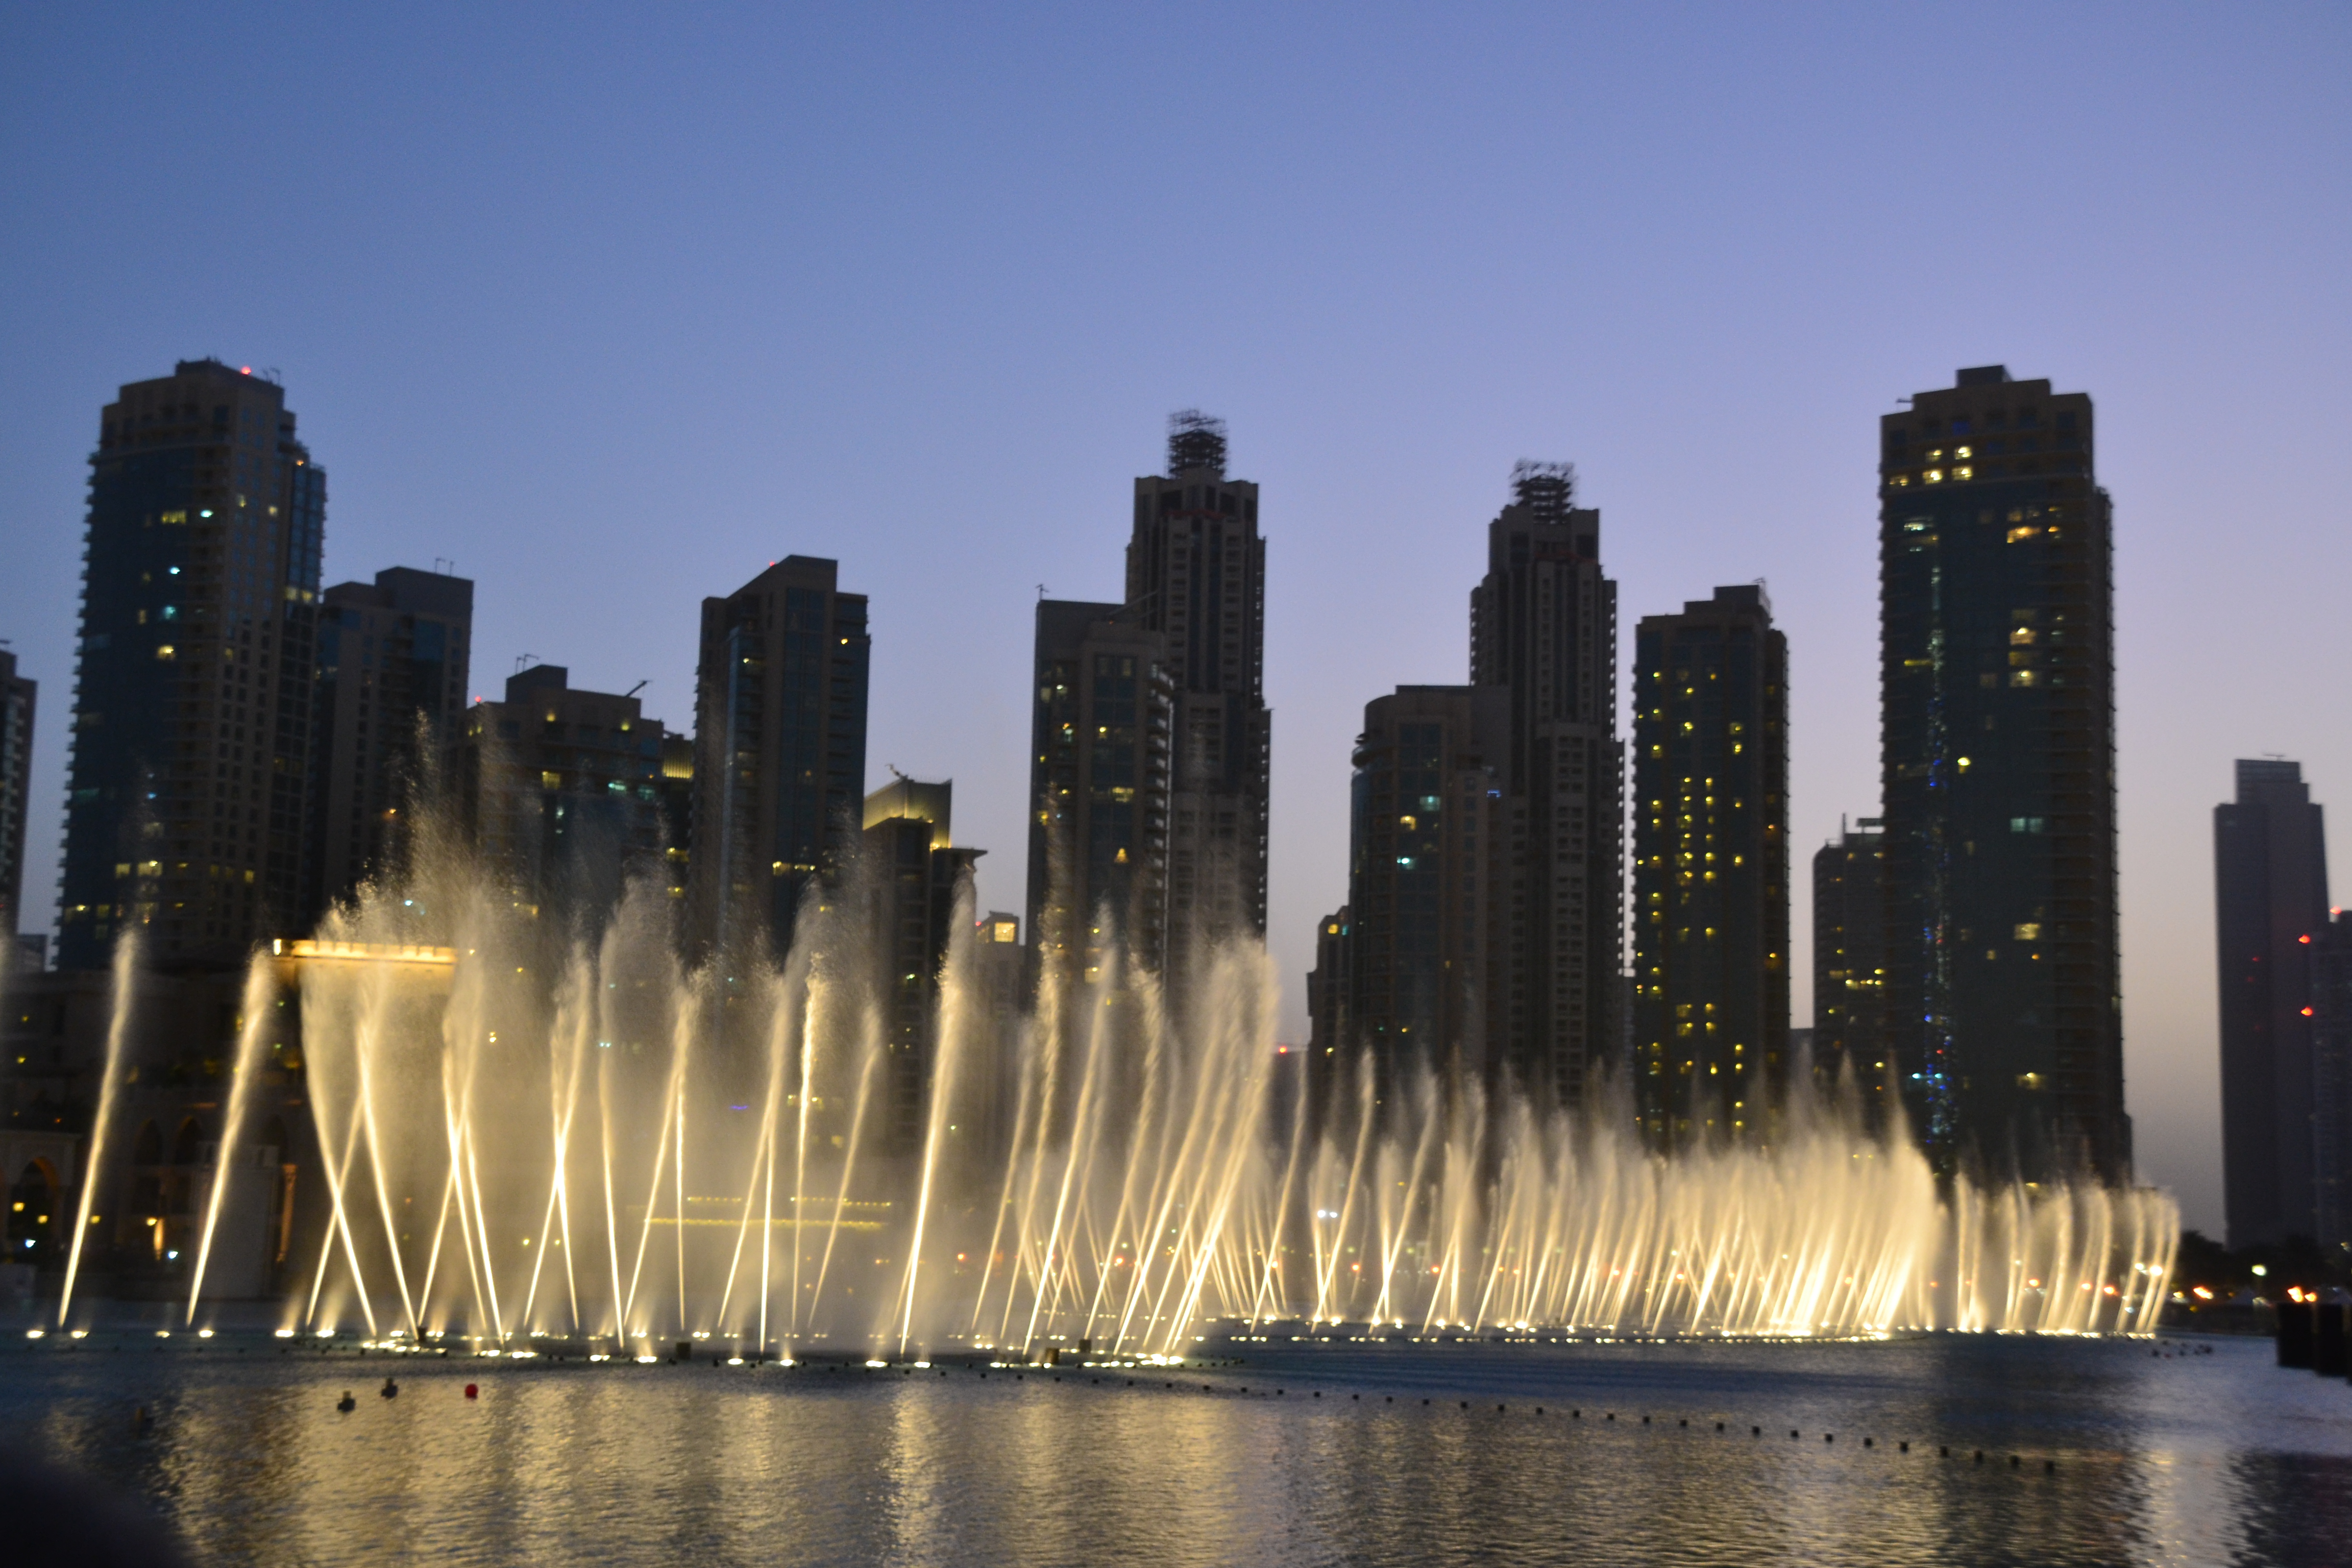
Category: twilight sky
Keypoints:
(615, 305)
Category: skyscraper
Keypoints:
(2270, 897)
(393, 654)
(2331, 1085)
(1996, 660)
(1543, 627)
(1710, 868)
(186, 803)
(1098, 788)
(566, 794)
(1427, 832)
(17, 696)
(916, 874)
(780, 749)
(1850, 960)
(1196, 575)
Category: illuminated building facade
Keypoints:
(186, 798)
(1996, 660)
(1710, 869)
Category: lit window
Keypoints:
(1935, 476)
(2021, 638)
(1962, 452)
(2020, 535)
(2028, 931)
(2028, 823)
(167, 651)
(2024, 677)
(1964, 473)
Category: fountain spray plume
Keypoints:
(254, 1023)
(121, 999)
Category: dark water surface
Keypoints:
(2189, 1458)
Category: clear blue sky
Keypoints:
(615, 305)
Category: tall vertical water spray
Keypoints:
(122, 998)
(746, 1153)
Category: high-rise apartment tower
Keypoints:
(1098, 788)
(1849, 1031)
(1543, 627)
(2270, 896)
(17, 697)
(1425, 951)
(1997, 662)
(780, 749)
(186, 788)
(393, 658)
(1710, 869)
(1196, 575)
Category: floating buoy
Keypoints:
(473, 1391)
(347, 1403)
(2014, 1461)
(1866, 1442)
(1902, 1447)
(1829, 1436)
(389, 1390)
(1682, 1423)
(1719, 1426)
(2049, 1466)
(1756, 1431)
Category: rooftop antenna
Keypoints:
(1042, 590)
(640, 686)
(524, 662)
(1548, 490)
(1195, 440)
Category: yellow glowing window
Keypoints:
(2022, 636)
(550, 781)
(1963, 452)
(1008, 931)
(1964, 472)
(167, 651)
(1935, 476)
(2028, 931)
(1902, 479)
(2024, 677)
(2020, 535)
